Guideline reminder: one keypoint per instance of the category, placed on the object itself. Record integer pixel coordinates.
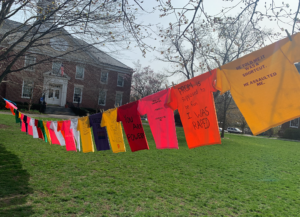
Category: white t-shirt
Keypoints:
(58, 134)
(34, 128)
(73, 126)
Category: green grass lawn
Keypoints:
(244, 176)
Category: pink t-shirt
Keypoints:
(53, 137)
(23, 126)
(161, 119)
(30, 130)
(69, 137)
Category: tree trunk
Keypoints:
(224, 117)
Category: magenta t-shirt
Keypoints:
(160, 118)
(69, 136)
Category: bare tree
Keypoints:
(100, 23)
(145, 82)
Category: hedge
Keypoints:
(291, 133)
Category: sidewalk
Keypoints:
(43, 115)
(263, 137)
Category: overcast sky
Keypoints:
(212, 7)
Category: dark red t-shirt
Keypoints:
(133, 127)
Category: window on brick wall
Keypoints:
(119, 96)
(27, 89)
(29, 60)
(77, 94)
(102, 97)
(79, 72)
(56, 68)
(294, 123)
(120, 82)
(104, 77)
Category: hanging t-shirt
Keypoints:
(133, 127)
(100, 134)
(161, 119)
(41, 126)
(30, 130)
(52, 134)
(18, 120)
(73, 126)
(23, 127)
(59, 126)
(195, 103)
(265, 84)
(69, 137)
(86, 134)
(39, 130)
(47, 132)
(10, 106)
(59, 136)
(34, 129)
(25, 121)
(114, 130)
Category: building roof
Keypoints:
(100, 56)
(76, 50)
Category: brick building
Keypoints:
(90, 76)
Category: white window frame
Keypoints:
(294, 126)
(77, 66)
(24, 97)
(120, 75)
(119, 92)
(25, 62)
(59, 72)
(105, 91)
(81, 88)
(106, 77)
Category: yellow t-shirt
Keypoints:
(114, 130)
(265, 84)
(86, 134)
(47, 131)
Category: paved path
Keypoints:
(43, 115)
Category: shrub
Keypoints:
(291, 133)
(2, 104)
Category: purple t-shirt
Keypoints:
(100, 134)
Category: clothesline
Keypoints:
(265, 86)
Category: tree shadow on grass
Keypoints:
(14, 185)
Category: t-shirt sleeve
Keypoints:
(103, 122)
(222, 83)
(212, 80)
(172, 100)
(59, 126)
(142, 107)
(291, 49)
(63, 125)
(78, 125)
(119, 115)
(90, 120)
(52, 126)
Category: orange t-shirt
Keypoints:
(265, 84)
(59, 126)
(195, 103)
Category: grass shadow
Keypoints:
(14, 185)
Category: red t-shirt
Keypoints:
(40, 133)
(195, 103)
(59, 126)
(64, 128)
(133, 127)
